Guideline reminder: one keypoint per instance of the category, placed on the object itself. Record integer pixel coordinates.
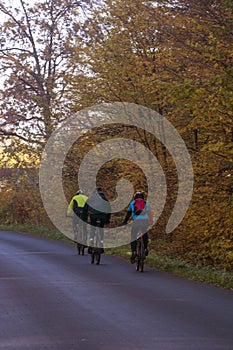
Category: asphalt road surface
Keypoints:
(51, 298)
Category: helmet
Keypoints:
(79, 192)
(139, 195)
(98, 189)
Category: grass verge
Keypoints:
(46, 232)
(208, 274)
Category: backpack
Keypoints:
(76, 209)
(139, 206)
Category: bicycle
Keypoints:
(140, 252)
(96, 250)
(79, 236)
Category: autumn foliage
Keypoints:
(174, 57)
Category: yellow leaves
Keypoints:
(17, 154)
(11, 162)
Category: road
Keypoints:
(51, 298)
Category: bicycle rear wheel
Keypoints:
(80, 238)
(92, 256)
(79, 248)
(141, 267)
(138, 255)
(142, 256)
(97, 258)
(96, 250)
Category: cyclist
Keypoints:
(76, 208)
(140, 221)
(97, 208)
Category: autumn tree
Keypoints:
(120, 54)
(174, 57)
(34, 55)
(200, 42)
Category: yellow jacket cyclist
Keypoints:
(75, 209)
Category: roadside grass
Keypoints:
(40, 231)
(208, 274)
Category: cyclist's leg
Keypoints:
(84, 233)
(133, 245)
(102, 222)
(75, 226)
(93, 225)
(134, 231)
(92, 232)
(101, 230)
(145, 226)
(145, 241)
(133, 251)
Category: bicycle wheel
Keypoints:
(93, 250)
(97, 258)
(141, 265)
(80, 239)
(92, 256)
(78, 248)
(138, 258)
(98, 250)
(142, 255)
(82, 249)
